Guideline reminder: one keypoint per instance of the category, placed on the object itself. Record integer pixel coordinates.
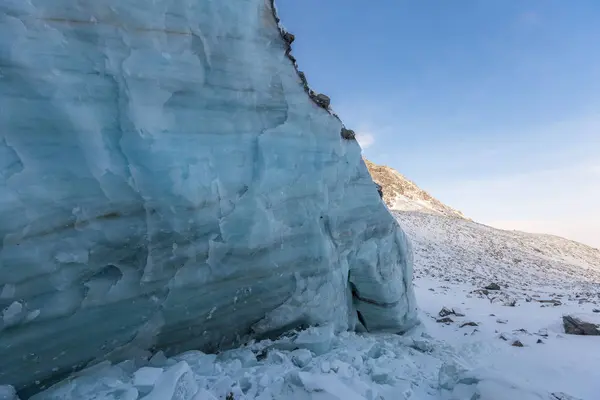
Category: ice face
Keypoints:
(167, 183)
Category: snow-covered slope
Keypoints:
(168, 181)
(463, 250)
(399, 193)
(508, 292)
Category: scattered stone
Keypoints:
(322, 100)
(458, 312)
(522, 330)
(540, 341)
(445, 311)
(504, 336)
(349, 134)
(493, 286)
(501, 321)
(563, 396)
(510, 302)
(554, 302)
(517, 343)
(577, 325)
(470, 323)
(432, 289)
(492, 315)
(542, 332)
(445, 320)
(596, 310)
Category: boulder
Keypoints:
(581, 324)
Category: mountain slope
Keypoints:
(399, 193)
(461, 250)
(448, 245)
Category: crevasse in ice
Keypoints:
(166, 183)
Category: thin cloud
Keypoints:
(365, 139)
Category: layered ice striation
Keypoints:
(167, 183)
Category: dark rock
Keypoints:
(349, 134)
(510, 303)
(288, 37)
(380, 191)
(303, 78)
(501, 321)
(540, 341)
(575, 325)
(517, 343)
(445, 311)
(563, 396)
(445, 320)
(458, 312)
(542, 333)
(470, 323)
(554, 302)
(522, 330)
(504, 336)
(596, 310)
(493, 286)
(322, 100)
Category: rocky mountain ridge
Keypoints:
(400, 193)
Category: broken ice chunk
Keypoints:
(145, 378)
(177, 383)
(316, 339)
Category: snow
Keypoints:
(561, 363)
(166, 183)
(434, 361)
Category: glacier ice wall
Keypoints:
(166, 183)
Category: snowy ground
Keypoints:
(549, 360)
(541, 278)
(455, 259)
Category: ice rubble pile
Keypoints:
(166, 183)
(312, 364)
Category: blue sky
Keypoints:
(491, 106)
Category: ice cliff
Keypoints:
(167, 183)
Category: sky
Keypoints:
(491, 106)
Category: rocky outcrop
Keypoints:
(399, 193)
(166, 182)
